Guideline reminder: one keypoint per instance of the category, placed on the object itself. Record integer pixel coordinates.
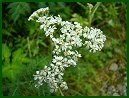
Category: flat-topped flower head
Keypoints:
(72, 35)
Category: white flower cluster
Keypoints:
(38, 13)
(71, 35)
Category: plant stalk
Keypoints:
(91, 14)
(61, 92)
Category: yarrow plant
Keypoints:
(71, 36)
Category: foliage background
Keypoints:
(25, 49)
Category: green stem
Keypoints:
(91, 14)
(14, 91)
(61, 92)
(83, 6)
(28, 42)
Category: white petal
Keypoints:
(37, 72)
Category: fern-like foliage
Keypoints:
(17, 9)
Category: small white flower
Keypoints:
(71, 62)
(84, 34)
(37, 72)
(60, 74)
(58, 63)
(62, 67)
(35, 77)
(51, 90)
(77, 54)
(64, 85)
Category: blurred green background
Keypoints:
(25, 49)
